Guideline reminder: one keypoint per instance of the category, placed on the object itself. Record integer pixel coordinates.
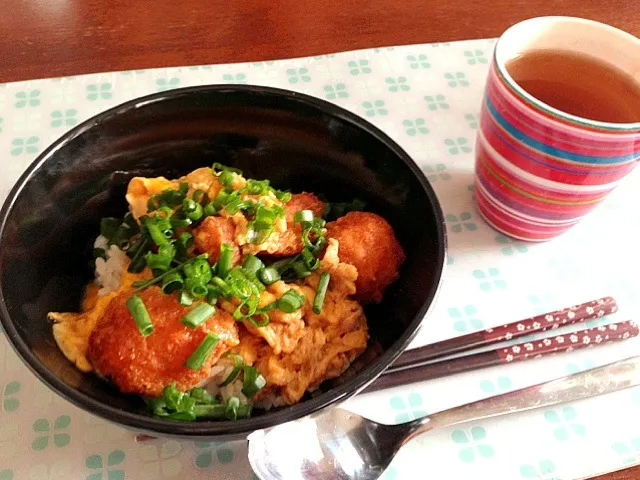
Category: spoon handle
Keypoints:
(589, 383)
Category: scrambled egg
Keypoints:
(71, 331)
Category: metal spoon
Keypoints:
(339, 445)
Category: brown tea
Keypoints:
(578, 84)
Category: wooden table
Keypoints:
(45, 38)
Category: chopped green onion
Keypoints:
(161, 261)
(141, 285)
(215, 411)
(283, 196)
(183, 187)
(172, 396)
(218, 167)
(99, 253)
(301, 269)
(310, 260)
(231, 412)
(226, 178)
(157, 405)
(201, 396)
(257, 233)
(291, 301)
(238, 364)
(303, 216)
(321, 291)
(184, 298)
(210, 210)
(199, 291)
(141, 317)
(253, 381)
(237, 204)
(108, 227)
(257, 187)
(225, 260)
(252, 264)
(198, 315)
(263, 322)
(247, 308)
(222, 287)
(156, 234)
(185, 239)
(254, 280)
(268, 275)
(200, 355)
(172, 283)
(199, 196)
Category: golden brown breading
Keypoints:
(368, 242)
(145, 365)
(290, 242)
(212, 233)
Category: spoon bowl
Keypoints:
(341, 445)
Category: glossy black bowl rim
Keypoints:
(239, 428)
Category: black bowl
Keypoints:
(51, 217)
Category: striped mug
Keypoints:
(538, 169)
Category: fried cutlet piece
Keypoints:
(368, 242)
(290, 241)
(145, 365)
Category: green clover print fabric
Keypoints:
(427, 98)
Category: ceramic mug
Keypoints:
(539, 170)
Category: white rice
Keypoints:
(109, 272)
(218, 374)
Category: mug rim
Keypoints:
(532, 101)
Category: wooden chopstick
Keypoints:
(540, 323)
(551, 345)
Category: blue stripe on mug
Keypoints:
(548, 150)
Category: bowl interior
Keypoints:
(52, 216)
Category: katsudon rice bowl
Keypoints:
(216, 294)
(209, 261)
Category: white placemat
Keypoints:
(427, 98)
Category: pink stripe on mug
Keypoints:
(540, 170)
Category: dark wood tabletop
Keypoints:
(46, 38)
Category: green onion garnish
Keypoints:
(184, 298)
(226, 258)
(156, 234)
(237, 366)
(172, 283)
(200, 355)
(226, 178)
(252, 264)
(321, 291)
(200, 196)
(108, 227)
(231, 412)
(198, 315)
(141, 317)
(141, 285)
(185, 239)
(99, 253)
(252, 382)
(200, 395)
(161, 261)
(310, 260)
(268, 275)
(303, 216)
(291, 301)
(210, 210)
(263, 322)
